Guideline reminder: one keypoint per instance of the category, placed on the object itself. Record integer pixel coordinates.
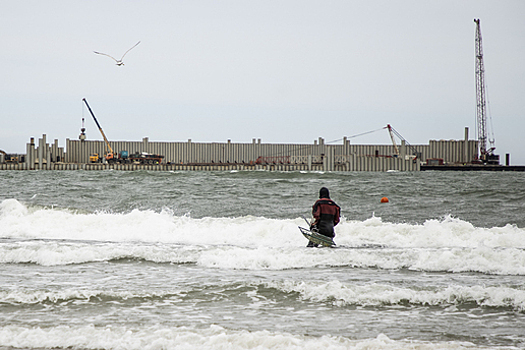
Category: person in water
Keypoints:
(326, 215)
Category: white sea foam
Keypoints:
(449, 232)
(35, 296)
(377, 294)
(336, 292)
(213, 337)
(59, 237)
(52, 253)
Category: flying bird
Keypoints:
(119, 62)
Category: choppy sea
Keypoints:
(214, 260)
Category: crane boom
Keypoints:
(390, 131)
(110, 153)
(481, 106)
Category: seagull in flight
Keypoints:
(119, 62)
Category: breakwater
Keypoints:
(219, 156)
(353, 164)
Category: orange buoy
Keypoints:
(384, 200)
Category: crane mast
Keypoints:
(486, 155)
(110, 155)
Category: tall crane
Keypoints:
(110, 155)
(486, 155)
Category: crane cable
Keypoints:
(356, 135)
(348, 137)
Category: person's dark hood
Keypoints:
(324, 193)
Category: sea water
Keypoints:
(214, 260)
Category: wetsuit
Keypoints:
(327, 215)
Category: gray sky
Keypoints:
(282, 71)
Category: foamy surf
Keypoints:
(252, 242)
(334, 293)
(215, 260)
(212, 337)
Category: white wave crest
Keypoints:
(53, 253)
(335, 292)
(60, 237)
(379, 294)
(12, 208)
(214, 337)
(449, 232)
(34, 296)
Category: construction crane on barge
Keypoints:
(486, 155)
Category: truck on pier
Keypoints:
(145, 158)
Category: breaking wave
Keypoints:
(51, 237)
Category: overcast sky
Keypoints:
(282, 71)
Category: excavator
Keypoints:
(110, 154)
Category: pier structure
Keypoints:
(218, 156)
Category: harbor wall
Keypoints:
(360, 164)
(451, 151)
(353, 157)
(217, 156)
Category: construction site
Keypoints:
(83, 154)
(340, 155)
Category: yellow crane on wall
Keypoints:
(110, 154)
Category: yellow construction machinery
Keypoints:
(110, 155)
